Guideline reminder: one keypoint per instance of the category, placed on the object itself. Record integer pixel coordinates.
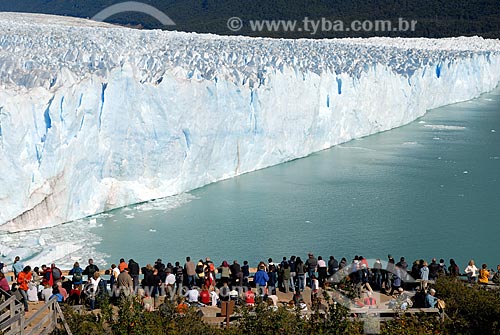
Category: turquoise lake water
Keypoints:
(428, 189)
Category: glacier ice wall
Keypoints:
(95, 117)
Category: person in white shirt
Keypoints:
(192, 296)
(170, 283)
(214, 296)
(471, 271)
(170, 279)
(116, 272)
(46, 293)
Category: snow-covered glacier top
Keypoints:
(35, 48)
(95, 116)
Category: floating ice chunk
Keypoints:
(129, 216)
(443, 127)
(166, 203)
(152, 230)
(421, 122)
(410, 143)
(103, 215)
(493, 130)
(466, 172)
(436, 138)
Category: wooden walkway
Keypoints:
(41, 319)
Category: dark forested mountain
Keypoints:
(434, 18)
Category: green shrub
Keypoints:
(470, 310)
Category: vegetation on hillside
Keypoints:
(435, 18)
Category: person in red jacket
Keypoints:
(47, 278)
(205, 296)
(23, 278)
(250, 297)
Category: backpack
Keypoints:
(77, 276)
(102, 287)
(56, 274)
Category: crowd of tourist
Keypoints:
(202, 283)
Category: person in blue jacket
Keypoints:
(260, 279)
(430, 299)
(77, 273)
(55, 293)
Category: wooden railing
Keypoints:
(13, 319)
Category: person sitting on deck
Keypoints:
(205, 296)
(46, 293)
(74, 295)
(370, 301)
(192, 296)
(57, 294)
(430, 299)
(62, 290)
(496, 277)
(402, 301)
(182, 307)
(233, 295)
(471, 272)
(484, 274)
(272, 302)
(213, 296)
(249, 297)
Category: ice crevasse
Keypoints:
(95, 117)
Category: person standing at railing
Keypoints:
(77, 273)
(90, 269)
(311, 266)
(17, 267)
(23, 279)
(300, 271)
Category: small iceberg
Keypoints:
(443, 127)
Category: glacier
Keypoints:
(95, 117)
